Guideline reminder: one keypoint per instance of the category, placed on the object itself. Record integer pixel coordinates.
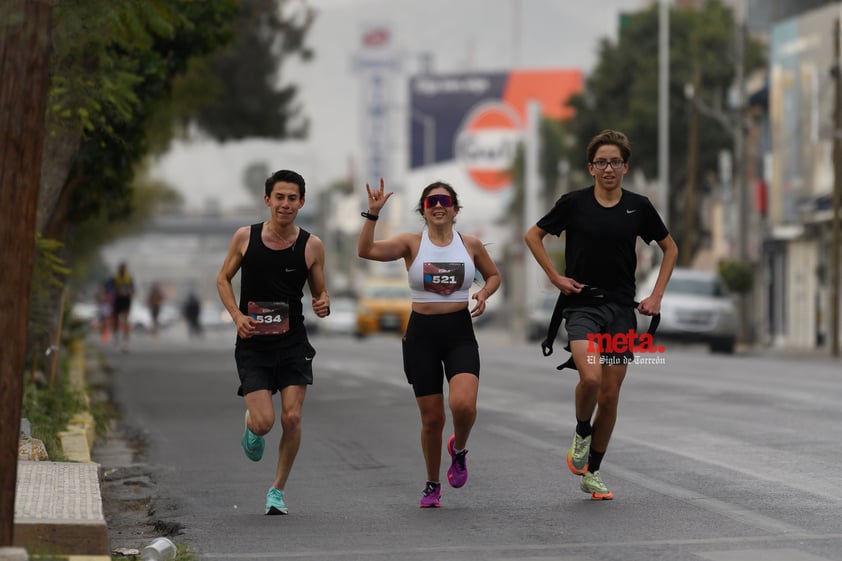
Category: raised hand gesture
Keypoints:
(377, 199)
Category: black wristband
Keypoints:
(370, 216)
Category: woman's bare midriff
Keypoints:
(437, 308)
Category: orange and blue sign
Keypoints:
(478, 119)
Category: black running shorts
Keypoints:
(439, 346)
(274, 368)
(583, 322)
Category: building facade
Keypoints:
(800, 173)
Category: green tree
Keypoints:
(248, 100)
(112, 69)
(737, 274)
(125, 73)
(114, 65)
(622, 92)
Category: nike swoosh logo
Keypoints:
(631, 211)
(308, 358)
(289, 270)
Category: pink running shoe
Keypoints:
(431, 497)
(457, 474)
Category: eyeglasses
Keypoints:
(444, 200)
(615, 163)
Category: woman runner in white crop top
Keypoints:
(439, 342)
(441, 273)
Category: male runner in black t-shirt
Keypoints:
(602, 223)
(273, 353)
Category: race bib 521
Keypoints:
(443, 278)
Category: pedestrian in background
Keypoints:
(439, 341)
(602, 223)
(154, 301)
(123, 290)
(192, 312)
(105, 310)
(273, 353)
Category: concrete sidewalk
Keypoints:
(58, 505)
(58, 509)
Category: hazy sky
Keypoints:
(459, 35)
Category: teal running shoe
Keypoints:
(577, 455)
(275, 502)
(253, 445)
(592, 483)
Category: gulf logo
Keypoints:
(376, 37)
(487, 142)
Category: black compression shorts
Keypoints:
(439, 346)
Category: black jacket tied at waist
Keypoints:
(590, 296)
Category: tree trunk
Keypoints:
(25, 33)
(60, 149)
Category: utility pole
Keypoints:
(531, 192)
(739, 139)
(837, 194)
(692, 173)
(664, 110)
(746, 327)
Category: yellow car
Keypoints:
(383, 305)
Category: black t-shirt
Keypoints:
(600, 241)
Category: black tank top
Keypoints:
(270, 275)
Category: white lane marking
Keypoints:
(694, 498)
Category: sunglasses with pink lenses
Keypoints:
(444, 200)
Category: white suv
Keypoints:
(696, 308)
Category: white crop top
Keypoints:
(441, 274)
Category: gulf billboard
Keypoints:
(476, 120)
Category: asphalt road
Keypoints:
(713, 458)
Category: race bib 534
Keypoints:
(272, 317)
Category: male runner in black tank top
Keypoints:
(602, 224)
(273, 353)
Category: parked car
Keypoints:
(383, 305)
(696, 307)
(538, 319)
